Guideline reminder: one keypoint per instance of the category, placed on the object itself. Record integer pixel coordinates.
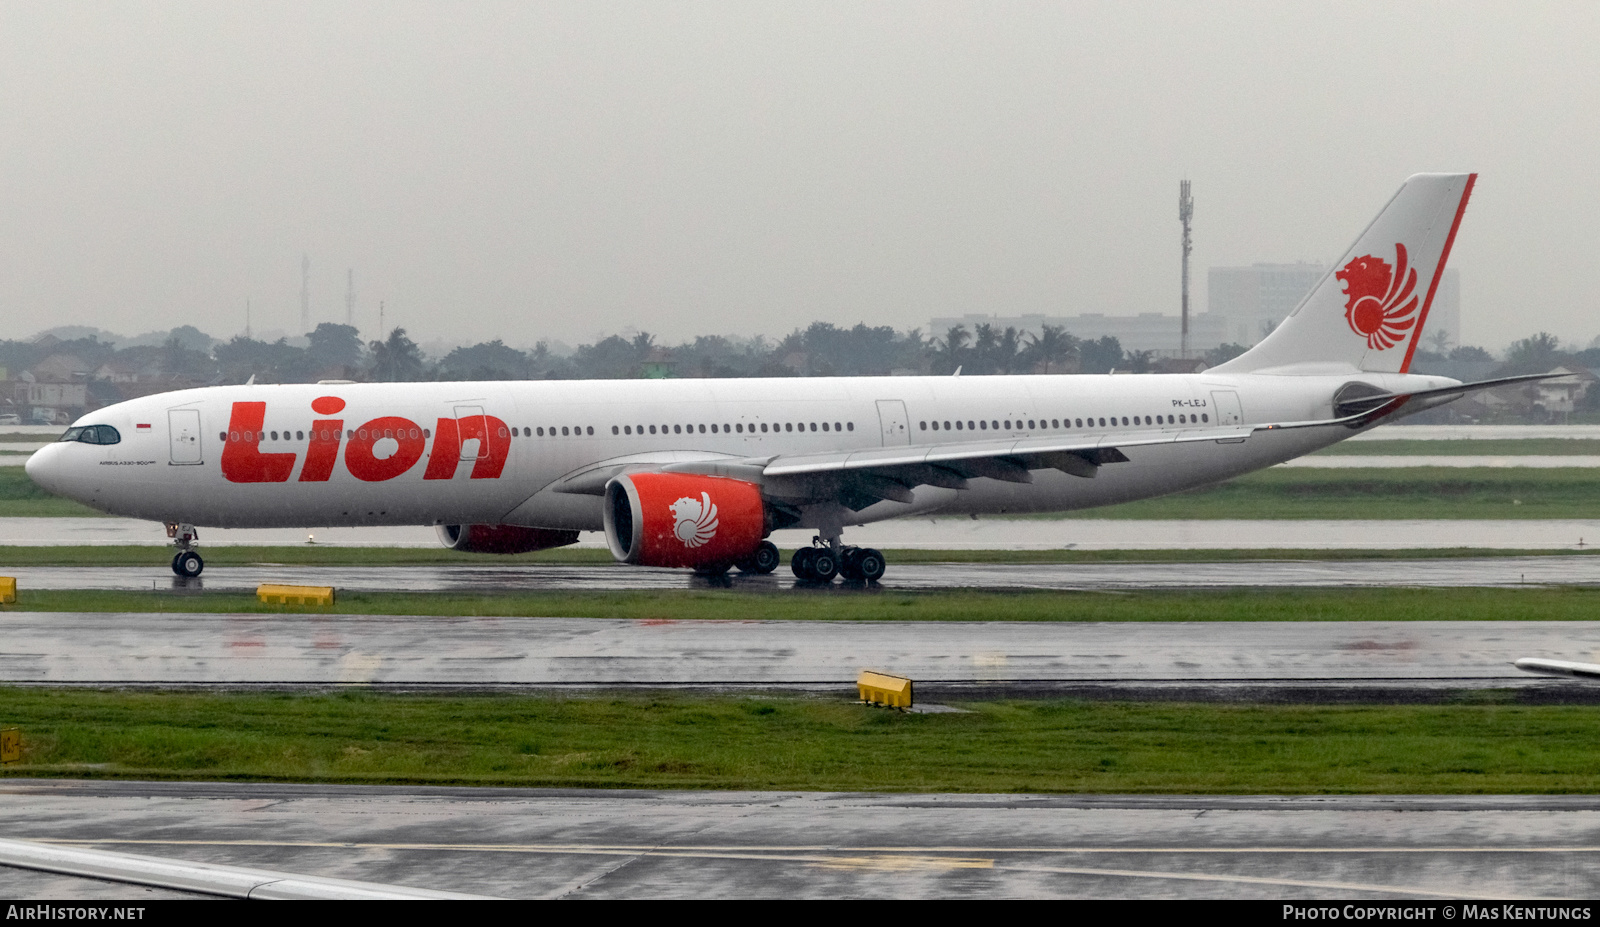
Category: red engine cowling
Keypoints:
(503, 539)
(683, 520)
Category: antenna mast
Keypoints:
(1185, 213)
(350, 297)
(305, 293)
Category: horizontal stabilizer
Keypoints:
(1355, 406)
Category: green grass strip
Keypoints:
(683, 742)
(1488, 447)
(1285, 493)
(1408, 493)
(1533, 603)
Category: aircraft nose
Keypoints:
(44, 468)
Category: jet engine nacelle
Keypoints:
(503, 539)
(683, 520)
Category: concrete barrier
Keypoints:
(883, 689)
(272, 594)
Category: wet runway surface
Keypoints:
(63, 648)
(1485, 571)
(540, 843)
(920, 534)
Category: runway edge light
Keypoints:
(8, 590)
(272, 594)
(883, 689)
(10, 745)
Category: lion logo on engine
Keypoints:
(697, 520)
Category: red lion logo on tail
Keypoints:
(1380, 302)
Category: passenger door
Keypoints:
(474, 432)
(892, 419)
(183, 434)
(1226, 402)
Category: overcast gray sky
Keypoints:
(571, 169)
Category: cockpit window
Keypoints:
(92, 434)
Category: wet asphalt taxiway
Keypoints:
(1475, 571)
(551, 843)
(318, 651)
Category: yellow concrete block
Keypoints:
(10, 745)
(883, 689)
(271, 594)
(8, 590)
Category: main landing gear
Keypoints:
(765, 559)
(821, 562)
(186, 562)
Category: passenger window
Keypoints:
(824, 426)
(222, 436)
(1055, 423)
(589, 430)
(1008, 424)
(923, 426)
(1030, 424)
(946, 426)
(702, 429)
(1204, 417)
(541, 432)
(763, 427)
(958, 424)
(564, 431)
(615, 430)
(836, 427)
(969, 424)
(983, 426)
(1124, 420)
(850, 426)
(813, 426)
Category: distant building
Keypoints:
(1252, 301)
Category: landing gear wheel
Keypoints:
(861, 564)
(187, 564)
(870, 565)
(801, 562)
(766, 558)
(824, 566)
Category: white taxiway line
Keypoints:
(204, 878)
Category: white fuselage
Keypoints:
(169, 463)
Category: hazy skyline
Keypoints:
(566, 170)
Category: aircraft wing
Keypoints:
(867, 475)
(861, 477)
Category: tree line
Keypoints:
(334, 351)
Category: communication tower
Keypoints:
(305, 292)
(350, 297)
(1185, 213)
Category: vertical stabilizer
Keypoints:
(1368, 311)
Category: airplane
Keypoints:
(697, 473)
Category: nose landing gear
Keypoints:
(187, 562)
